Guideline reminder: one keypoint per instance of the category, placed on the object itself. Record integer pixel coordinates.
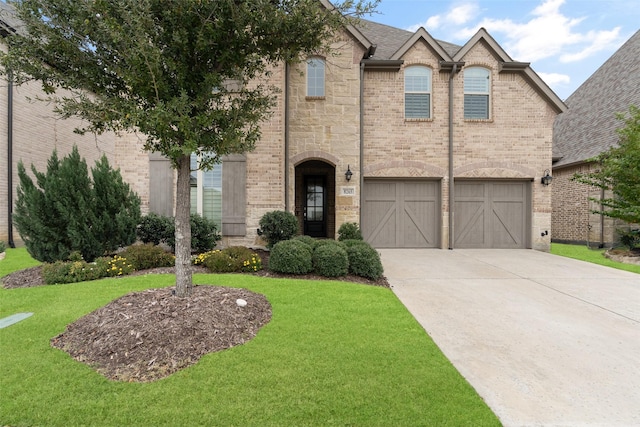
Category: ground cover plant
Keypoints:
(595, 256)
(334, 353)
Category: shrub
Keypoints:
(364, 261)
(349, 231)
(74, 271)
(65, 211)
(230, 260)
(276, 226)
(156, 229)
(119, 266)
(630, 238)
(308, 240)
(3, 246)
(147, 256)
(219, 262)
(204, 234)
(330, 260)
(328, 242)
(290, 257)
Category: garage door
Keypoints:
(492, 214)
(401, 214)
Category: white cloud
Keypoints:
(555, 79)
(546, 32)
(460, 14)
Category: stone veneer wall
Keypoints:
(328, 128)
(514, 143)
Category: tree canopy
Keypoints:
(619, 171)
(191, 75)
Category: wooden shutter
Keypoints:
(161, 185)
(234, 199)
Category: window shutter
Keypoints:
(161, 185)
(234, 200)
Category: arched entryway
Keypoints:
(315, 198)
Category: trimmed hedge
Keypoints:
(277, 226)
(364, 260)
(290, 257)
(330, 260)
(349, 231)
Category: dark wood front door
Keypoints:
(315, 218)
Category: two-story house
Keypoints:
(422, 142)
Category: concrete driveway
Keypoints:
(545, 340)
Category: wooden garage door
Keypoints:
(401, 214)
(492, 214)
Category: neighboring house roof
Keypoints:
(588, 127)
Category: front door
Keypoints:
(315, 218)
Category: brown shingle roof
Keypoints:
(588, 127)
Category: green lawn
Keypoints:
(334, 354)
(595, 256)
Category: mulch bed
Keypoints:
(148, 335)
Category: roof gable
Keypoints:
(508, 65)
(421, 34)
(588, 127)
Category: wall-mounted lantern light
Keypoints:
(546, 179)
(348, 174)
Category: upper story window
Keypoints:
(476, 93)
(315, 77)
(417, 92)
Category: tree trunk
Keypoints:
(183, 229)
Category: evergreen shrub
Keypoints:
(155, 229)
(349, 231)
(65, 211)
(630, 238)
(290, 257)
(204, 234)
(276, 226)
(364, 260)
(3, 246)
(330, 260)
(308, 240)
(146, 256)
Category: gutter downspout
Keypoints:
(454, 69)
(601, 245)
(11, 242)
(361, 141)
(286, 136)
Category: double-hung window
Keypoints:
(315, 77)
(206, 191)
(417, 92)
(476, 93)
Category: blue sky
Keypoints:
(564, 40)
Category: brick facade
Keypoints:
(574, 220)
(327, 134)
(36, 133)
